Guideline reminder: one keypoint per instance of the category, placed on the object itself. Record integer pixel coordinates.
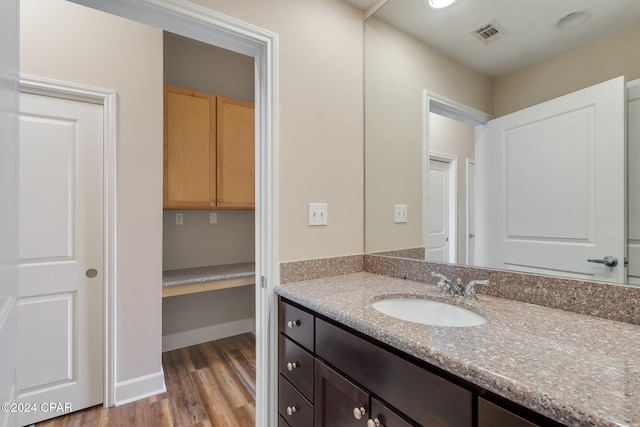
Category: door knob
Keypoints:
(609, 261)
(91, 273)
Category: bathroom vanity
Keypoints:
(343, 363)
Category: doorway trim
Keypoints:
(108, 99)
(438, 104)
(208, 26)
(469, 227)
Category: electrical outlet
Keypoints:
(318, 214)
(213, 217)
(179, 218)
(400, 213)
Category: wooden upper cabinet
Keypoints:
(208, 151)
(236, 153)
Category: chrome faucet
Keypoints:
(456, 289)
(470, 290)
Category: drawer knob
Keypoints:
(292, 365)
(293, 323)
(374, 423)
(291, 409)
(358, 413)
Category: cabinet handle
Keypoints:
(291, 409)
(292, 324)
(292, 365)
(374, 423)
(219, 200)
(358, 413)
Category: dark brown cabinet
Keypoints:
(491, 415)
(338, 399)
(421, 395)
(331, 376)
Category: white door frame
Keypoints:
(453, 201)
(438, 104)
(208, 26)
(108, 99)
(469, 213)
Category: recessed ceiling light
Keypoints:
(439, 4)
(573, 19)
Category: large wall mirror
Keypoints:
(438, 188)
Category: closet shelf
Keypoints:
(201, 279)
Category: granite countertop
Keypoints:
(576, 369)
(187, 276)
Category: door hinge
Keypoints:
(263, 282)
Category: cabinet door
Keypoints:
(236, 154)
(491, 415)
(189, 149)
(385, 417)
(337, 400)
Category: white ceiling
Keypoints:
(531, 25)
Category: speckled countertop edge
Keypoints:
(576, 369)
(187, 276)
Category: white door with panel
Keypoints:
(439, 211)
(556, 186)
(61, 256)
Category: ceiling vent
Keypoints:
(489, 32)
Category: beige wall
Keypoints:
(64, 41)
(320, 98)
(397, 70)
(320, 119)
(610, 57)
(199, 66)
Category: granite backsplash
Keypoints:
(600, 299)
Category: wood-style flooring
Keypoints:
(211, 384)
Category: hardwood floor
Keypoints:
(211, 384)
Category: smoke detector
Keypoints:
(489, 32)
(573, 19)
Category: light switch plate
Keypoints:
(318, 214)
(213, 217)
(400, 213)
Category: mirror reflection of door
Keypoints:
(556, 186)
(440, 209)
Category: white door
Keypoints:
(556, 185)
(471, 226)
(439, 211)
(61, 256)
(633, 156)
(8, 206)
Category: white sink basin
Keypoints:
(428, 312)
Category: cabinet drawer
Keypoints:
(423, 396)
(296, 365)
(490, 415)
(289, 397)
(296, 324)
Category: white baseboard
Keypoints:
(209, 333)
(140, 388)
